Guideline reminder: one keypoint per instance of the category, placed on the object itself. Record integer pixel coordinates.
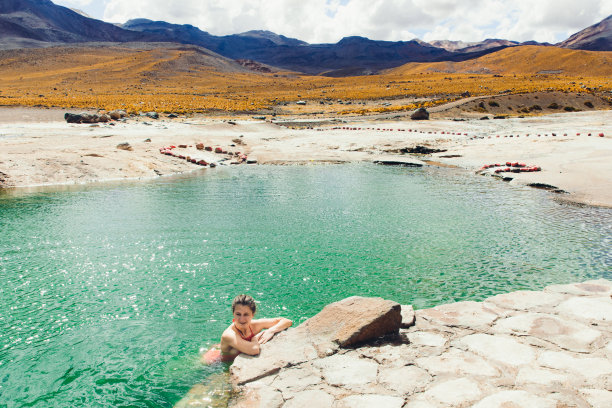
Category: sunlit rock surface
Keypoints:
(528, 348)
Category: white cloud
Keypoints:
(74, 3)
(329, 20)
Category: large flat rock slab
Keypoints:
(592, 368)
(527, 300)
(288, 349)
(600, 287)
(597, 309)
(569, 335)
(369, 401)
(470, 315)
(309, 399)
(502, 349)
(454, 393)
(404, 380)
(597, 398)
(346, 370)
(507, 399)
(457, 362)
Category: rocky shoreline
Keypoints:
(38, 148)
(550, 348)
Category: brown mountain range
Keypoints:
(41, 23)
(597, 37)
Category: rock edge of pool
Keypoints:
(571, 151)
(546, 348)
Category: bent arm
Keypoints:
(247, 347)
(279, 324)
(273, 326)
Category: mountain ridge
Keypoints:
(46, 22)
(597, 37)
(39, 23)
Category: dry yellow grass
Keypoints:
(186, 79)
(524, 60)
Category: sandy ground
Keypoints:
(38, 148)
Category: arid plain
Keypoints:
(491, 110)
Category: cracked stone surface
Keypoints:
(550, 348)
(571, 336)
(500, 349)
(515, 398)
(346, 370)
(311, 398)
(457, 362)
(454, 392)
(368, 401)
(470, 315)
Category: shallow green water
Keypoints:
(107, 294)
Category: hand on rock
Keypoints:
(264, 336)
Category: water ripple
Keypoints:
(108, 293)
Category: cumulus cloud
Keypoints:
(319, 21)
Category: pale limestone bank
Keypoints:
(38, 148)
(550, 348)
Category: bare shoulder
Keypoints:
(228, 336)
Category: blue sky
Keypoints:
(318, 21)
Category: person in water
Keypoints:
(245, 334)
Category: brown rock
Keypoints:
(124, 146)
(81, 117)
(420, 114)
(117, 114)
(356, 320)
(200, 146)
(408, 316)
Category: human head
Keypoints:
(244, 300)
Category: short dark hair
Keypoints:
(244, 300)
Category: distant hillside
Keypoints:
(275, 38)
(114, 62)
(526, 60)
(461, 46)
(597, 37)
(41, 22)
(351, 55)
(170, 77)
(236, 46)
